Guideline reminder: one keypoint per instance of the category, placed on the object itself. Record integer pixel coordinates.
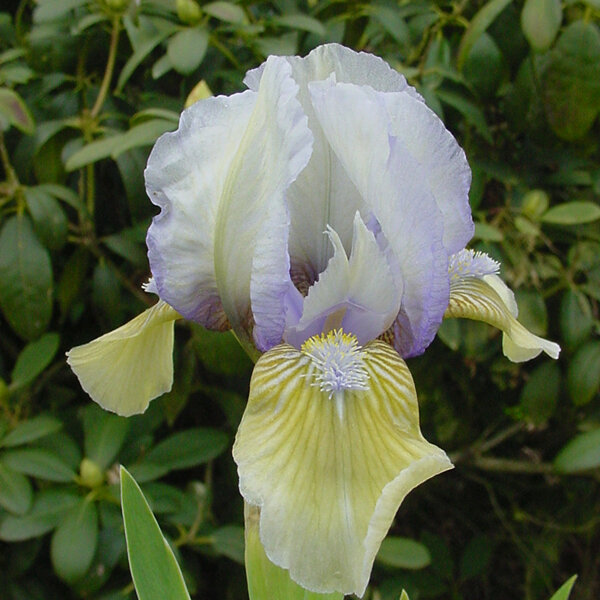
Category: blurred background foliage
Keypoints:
(86, 86)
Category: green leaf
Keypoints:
(104, 435)
(483, 67)
(477, 556)
(583, 375)
(186, 49)
(540, 22)
(488, 233)
(39, 463)
(25, 279)
(74, 541)
(572, 213)
(188, 448)
(50, 10)
(302, 22)
(564, 591)
(481, 21)
(48, 510)
(34, 358)
(229, 541)
(220, 352)
(122, 244)
(540, 394)
(106, 293)
(576, 318)
(144, 134)
(93, 152)
(49, 219)
(580, 454)
(142, 50)
(225, 11)
(472, 113)
(16, 493)
(403, 553)
(13, 111)
(155, 572)
(389, 18)
(571, 81)
(31, 430)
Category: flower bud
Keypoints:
(535, 204)
(188, 11)
(117, 6)
(90, 474)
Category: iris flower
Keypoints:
(322, 214)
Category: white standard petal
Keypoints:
(185, 176)
(275, 146)
(329, 456)
(394, 186)
(324, 195)
(125, 369)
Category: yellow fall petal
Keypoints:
(329, 467)
(125, 369)
(491, 301)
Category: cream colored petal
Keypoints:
(329, 470)
(126, 368)
(489, 300)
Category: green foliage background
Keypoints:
(85, 89)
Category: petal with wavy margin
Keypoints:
(329, 481)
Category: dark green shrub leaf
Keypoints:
(576, 319)
(477, 556)
(481, 21)
(403, 553)
(106, 294)
(225, 11)
(220, 352)
(229, 541)
(48, 510)
(483, 66)
(49, 219)
(580, 454)
(532, 310)
(540, 22)
(571, 82)
(540, 394)
(583, 376)
(93, 152)
(186, 49)
(188, 448)
(13, 111)
(74, 541)
(16, 493)
(572, 213)
(34, 358)
(32, 429)
(25, 279)
(155, 572)
(302, 22)
(104, 435)
(39, 463)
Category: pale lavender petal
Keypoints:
(184, 177)
(393, 183)
(251, 261)
(323, 195)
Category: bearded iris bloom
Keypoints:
(323, 216)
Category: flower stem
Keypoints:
(110, 67)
